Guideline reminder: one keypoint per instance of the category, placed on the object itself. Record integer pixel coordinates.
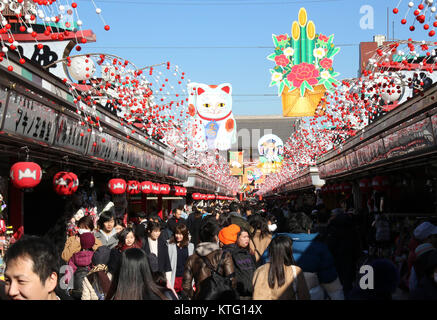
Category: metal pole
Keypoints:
(388, 24)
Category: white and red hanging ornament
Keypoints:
(65, 183)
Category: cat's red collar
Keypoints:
(214, 119)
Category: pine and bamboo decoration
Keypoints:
(303, 71)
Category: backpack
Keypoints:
(79, 275)
(216, 286)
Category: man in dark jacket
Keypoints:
(427, 288)
(237, 218)
(195, 267)
(343, 243)
(176, 219)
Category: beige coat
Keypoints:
(88, 292)
(262, 291)
(72, 245)
(260, 244)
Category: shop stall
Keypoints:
(39, 123)
(391, 165)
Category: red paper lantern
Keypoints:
(164, 189)
(65, 183)
(346, 187)
(365, 185)
(183, 191)
(146, 187)
(117, 186)
(156, 188)
(380, 183)
(196, 196)
(133, 187)
(25, 175)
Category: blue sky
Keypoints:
(244, 27)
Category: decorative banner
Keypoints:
(251, 174)
(236, 163)
(212, 124)
(303, 70)
(271, 149)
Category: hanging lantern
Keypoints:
(156, 188)
(65, 183)
(25, 175)
(365, 185)
(346, 187)
(183, 191)
(146, 187)
(133, 187)
(164, 189)
(117, 186)
(337, 188)
(380, 183)
(175, 190)
(196, 196)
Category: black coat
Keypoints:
(163, 257)
(426, 290)
(172, 223)
(245, 266)
(193, 224)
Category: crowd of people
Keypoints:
(256, 250)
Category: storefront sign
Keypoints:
(3, 97)
(71, 135)
(28, 118)
(371, 153)
(413, 138)
(101, 146)
(351, 160)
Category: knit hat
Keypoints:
(424, 230)
(424, 247)
(87, 240)
(228, 235)
(101, 256)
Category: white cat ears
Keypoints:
(201, 87)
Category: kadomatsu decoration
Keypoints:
(303, 71)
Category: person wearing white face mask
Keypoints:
(427, 288)
(72, 245)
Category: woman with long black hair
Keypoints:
(280, 278)
(261, 236)
(133, 279)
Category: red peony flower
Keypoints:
(323, 38)
(282, 60)
(303, 72)
(281, 37)
(326, 63)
